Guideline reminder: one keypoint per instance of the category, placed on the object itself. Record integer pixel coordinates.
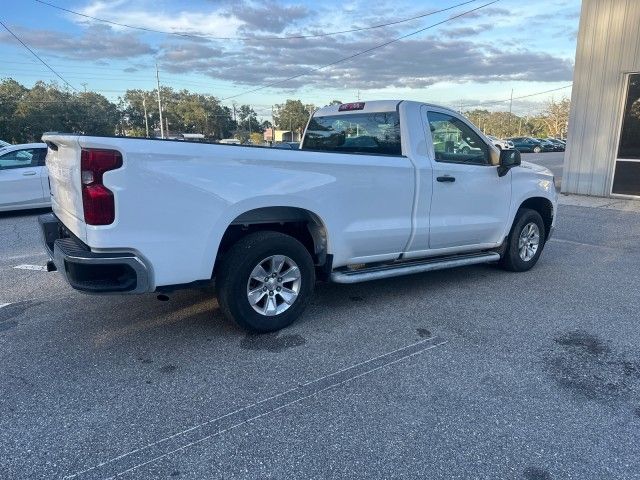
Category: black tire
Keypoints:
(537, 149)
(235, 268)
(511, 260)
(466, 150)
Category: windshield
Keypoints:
(373, 133)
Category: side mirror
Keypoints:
(508, 160)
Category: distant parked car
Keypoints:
(287, 145)
(548, 146)
(24, 181)
(230, 141)
(501, 144)
(463, 147)
(559, 144)
(528, 144)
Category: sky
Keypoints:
(232, 49)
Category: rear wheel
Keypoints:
(525, 242)
(265, 281)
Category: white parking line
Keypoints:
(41, 268)
(299, 394)
(4, 304)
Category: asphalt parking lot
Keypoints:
(466, 373)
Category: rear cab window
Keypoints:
(376, 133)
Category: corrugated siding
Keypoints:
(608, 48)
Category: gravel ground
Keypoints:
(466, 373)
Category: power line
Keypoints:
(344, 59)
(288, 37)
(36, 55)
(493, 102)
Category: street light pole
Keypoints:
(146, 120)
(159, 103)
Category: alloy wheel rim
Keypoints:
(274, 285)
(529, 241)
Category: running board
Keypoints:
(407, 268)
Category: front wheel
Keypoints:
(537, 149)
(265, 281)
(525, 242)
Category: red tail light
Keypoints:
(97, 200)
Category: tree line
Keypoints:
(26, 113)
(552, 121)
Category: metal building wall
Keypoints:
(608, 49)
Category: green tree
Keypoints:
(185, 112)
(292, 115)
(248, 120)
(11, 93)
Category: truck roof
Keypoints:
(372, 106)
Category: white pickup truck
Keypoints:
(376, 190)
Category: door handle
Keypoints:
(28, 173)
(446, 178)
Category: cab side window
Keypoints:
(29, 157)
(455, 142)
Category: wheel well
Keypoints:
(301, 224)
(544, 207)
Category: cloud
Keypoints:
(270, 17)
(191, 57)
(97, 42)
(485, 12)
(467, 31)
(415, 63)
(195, 21)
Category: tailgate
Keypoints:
(63, 163)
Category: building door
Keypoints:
(626, 177)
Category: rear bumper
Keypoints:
(91, 272)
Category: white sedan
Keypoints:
(24, 181)
(501, 144)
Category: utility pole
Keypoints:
(520, 127)
(159, 102)
(510, 109)
(167, 129)
(511, 102)
(273, 126)
(146, 120)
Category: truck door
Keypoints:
(470, 202)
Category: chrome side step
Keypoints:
(407, 268)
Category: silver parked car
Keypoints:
(500, 143)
